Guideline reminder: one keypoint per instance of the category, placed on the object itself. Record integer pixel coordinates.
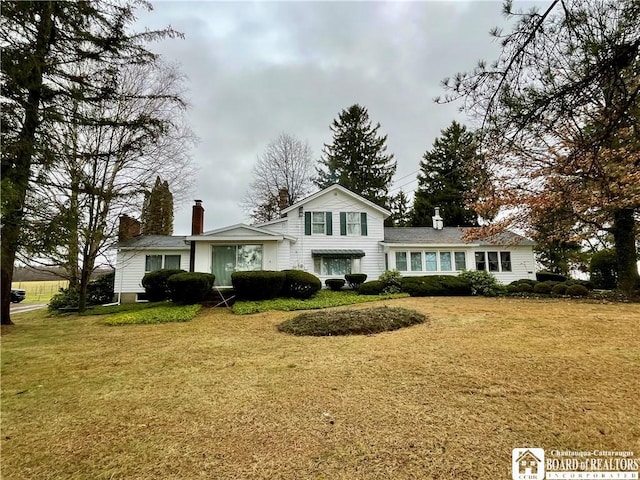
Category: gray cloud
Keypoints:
(258, 69)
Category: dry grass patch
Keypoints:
(228, 397)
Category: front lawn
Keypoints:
(229, 397)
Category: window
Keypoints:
(492, 257)
(153, 263)
(353, 223)
(172, 262)
(158, 262)
(416, 261)
(461, 261)
(493, 261)
(327, 265)
(317, 222)
(431, 262)
(505, 261)
(226, 259)
(401, 261)
(445, 261)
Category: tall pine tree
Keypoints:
(448, 175)
(157, 211)
(357, 158)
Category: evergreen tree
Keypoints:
(157, 211)
(400, 210)
(43, 44)
(448, 175)
(356, 159)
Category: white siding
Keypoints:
(335, 202)
(130, 268)
(522, 260)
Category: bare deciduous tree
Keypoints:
(105, 168)
(286, 164)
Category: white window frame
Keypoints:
(323, 223)
(163, 260)
(354, 227)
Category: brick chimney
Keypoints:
(283, 198)
(197, 218)
(128, 228)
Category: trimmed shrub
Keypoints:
(391, 281)
(542, 288)
(300, 284)
(559, 289)
(585, 283)
(100, 290)
(190, 287)
(604, 269)
(544, 276)
(365, 321)
(354, 280)
(258, 285)
(374, 287)
(524, 288)
(525, 280)
(577, 291)
(335, 284)
(482, 283)
(155, 284)
(436, 285)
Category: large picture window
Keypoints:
(226, 259)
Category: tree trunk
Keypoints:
(625, 242)
(20, 173)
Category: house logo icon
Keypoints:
(527, 464)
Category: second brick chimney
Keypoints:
(197, 218)
(283, 198)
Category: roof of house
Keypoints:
(447, 235)
(158, 242)
(342, 189)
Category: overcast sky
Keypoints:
(256, 69)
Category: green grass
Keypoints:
(40, 291)
(365, 321)
(125, 307)
(162, 314)
(323, 299)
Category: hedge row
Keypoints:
(266, 284)
(572, 288)
(476, 283)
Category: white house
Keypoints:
(330, 233)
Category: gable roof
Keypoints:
(239, 231)
(155, 242)
(340, 188)
(447, 236)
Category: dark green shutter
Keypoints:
(329, 224)
(307, 223)
(363, 223)
(343, 223)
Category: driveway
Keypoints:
(19, 308)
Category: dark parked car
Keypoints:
(17, 295)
